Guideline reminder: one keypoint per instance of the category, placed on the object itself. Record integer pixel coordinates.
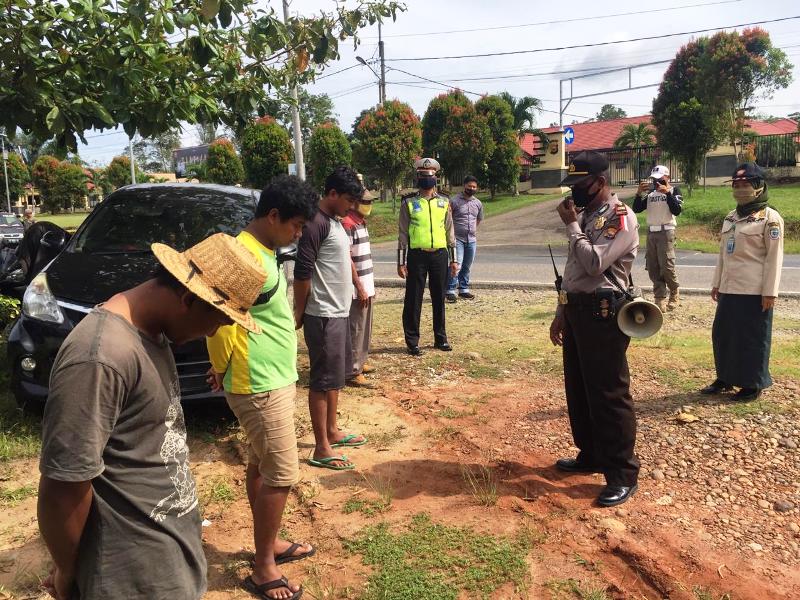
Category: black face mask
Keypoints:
(427, 182)
(468, 192)
(581, 196)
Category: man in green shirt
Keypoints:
(258, 374)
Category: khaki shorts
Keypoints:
(268, 420)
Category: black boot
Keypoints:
(718, 387)
(747, 394)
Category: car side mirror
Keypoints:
(55, 240)
(286, 253)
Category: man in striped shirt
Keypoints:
(363, 289)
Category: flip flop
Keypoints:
(288, 555)
(345, 441)
(260, 590)
(325, 463)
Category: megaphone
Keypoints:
(639, 318)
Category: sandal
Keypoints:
(260, 590)
(288, 555)
(346, 441)
(325, 463)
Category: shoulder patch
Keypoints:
(621, 209)
(774, 232)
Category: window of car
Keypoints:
(131, 220)
(9, 220)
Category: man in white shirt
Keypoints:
(663, 203)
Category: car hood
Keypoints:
(94, 278)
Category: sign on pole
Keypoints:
(569, 135)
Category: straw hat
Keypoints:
(220, 271)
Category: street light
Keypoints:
(374, 72)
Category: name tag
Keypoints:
(730, 245)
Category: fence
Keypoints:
(628, 166)
(779, 150)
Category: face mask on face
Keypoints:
(468, 192)
(745, 195)
(426, 182)
(581, 196)
(364, 209)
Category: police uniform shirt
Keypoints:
(750, 254)
(608, 237)
(417, 204)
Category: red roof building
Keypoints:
(600, 135)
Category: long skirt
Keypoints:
(742, 338)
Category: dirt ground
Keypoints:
(705, 524)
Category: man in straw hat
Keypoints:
(258, 373)
(117, 502)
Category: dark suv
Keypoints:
(110, 253)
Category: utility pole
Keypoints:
(382, 88)
(133, 167)
(5, 169)
(298, 136)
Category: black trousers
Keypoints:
(597, 383)
(434, 267)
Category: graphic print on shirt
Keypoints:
(175, 454)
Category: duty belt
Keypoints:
(667, 227)
(586, 299)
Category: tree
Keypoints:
(118, 173)
(635, 136)
(734, 70)
(206, 132)
(223, 165)
(266, 151)
(315, 109)
(502, 166)
(328, 148)
(386, 141)
(458, 136)
(42, 174)
(18, 175)
(609, 112)
(68, 187)
(73, 65)
(686, 128)
(155, 153)
(524, 111)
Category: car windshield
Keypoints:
(134, 219)
(9, 220)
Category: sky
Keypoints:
(447, 28)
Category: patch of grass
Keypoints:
(385, 439)
(366, 507)
(484, 371)
(448, 432)
(430, 560)
(756, 407)
(449, 412)
(13, 496)
(572, 588)
(218, 492)
(66, 220)
(481, 483)
(703, 593)
(20, 433)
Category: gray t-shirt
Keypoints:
(323, 256)
(113, 416)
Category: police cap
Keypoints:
(585, 164)
(748, 171)
(427, 164)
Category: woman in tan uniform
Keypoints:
(745, 287)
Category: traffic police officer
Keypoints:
(426, 245)
(745, 286)
(603, 241)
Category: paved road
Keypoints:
(531, 264)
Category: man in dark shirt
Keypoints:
(117, 502)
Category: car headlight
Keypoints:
(39, 302)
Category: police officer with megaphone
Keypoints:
(603, 242)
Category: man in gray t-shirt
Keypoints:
(117, 501)
(323, 291)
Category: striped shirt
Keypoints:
(360, 252)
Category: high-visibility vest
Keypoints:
(426, 228)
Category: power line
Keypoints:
(574, 20)
(592, 45)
